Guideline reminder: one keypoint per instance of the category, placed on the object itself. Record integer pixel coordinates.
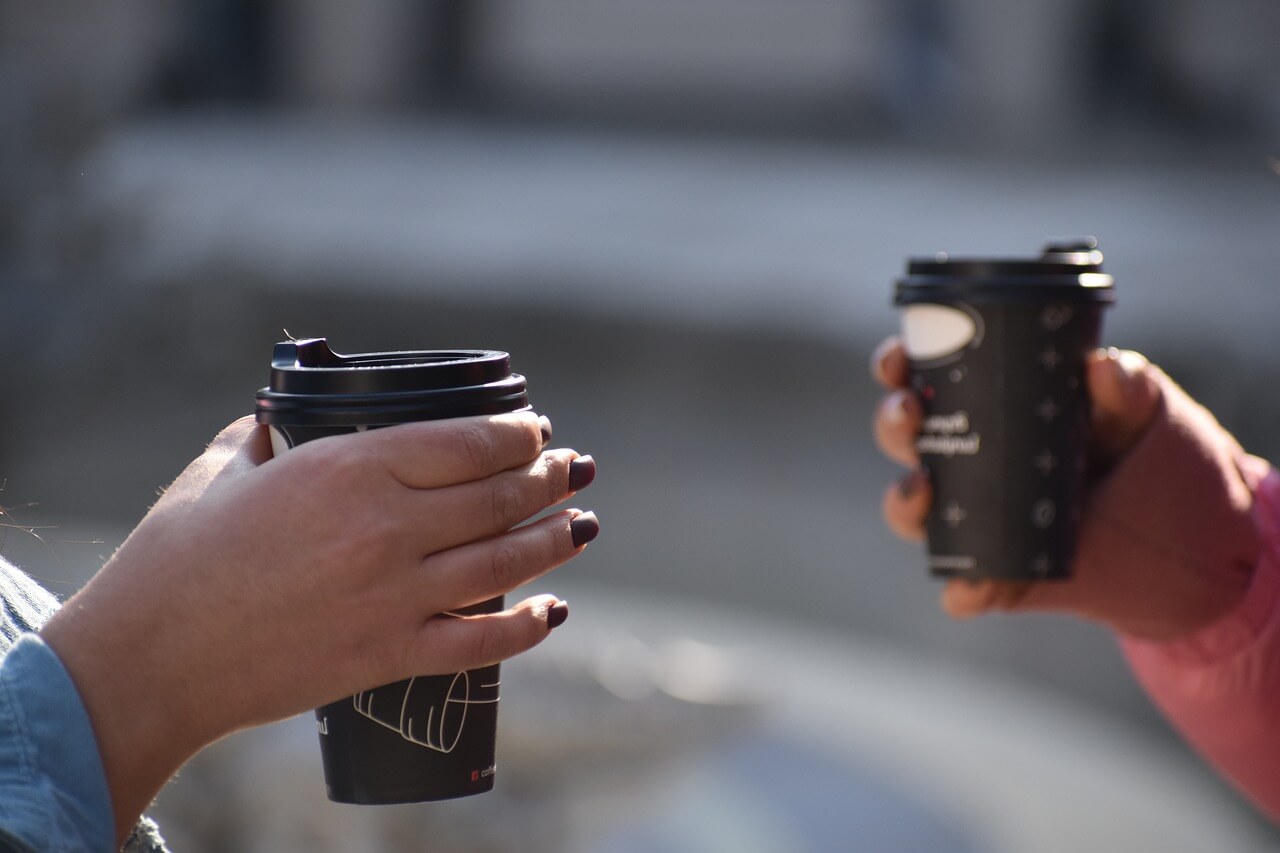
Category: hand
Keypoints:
(1167, 544)
(257, 588)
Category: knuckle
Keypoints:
(531, 434)
(557, 480)
(557, 474)
(505, 501)
(489, 643)
(475, 445)
(504, 566)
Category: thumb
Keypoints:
(245, 440)
(1125, 397)
(238, 449)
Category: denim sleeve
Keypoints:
(53, 790)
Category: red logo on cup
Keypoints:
(475, 775)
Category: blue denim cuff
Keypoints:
(53, 788)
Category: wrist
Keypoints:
(133, 699)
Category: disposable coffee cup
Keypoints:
(430, 737)
(998, 349)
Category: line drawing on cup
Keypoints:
(444, 699)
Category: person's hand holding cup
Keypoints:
(260, 587)
(431, 735)
(1165, 543)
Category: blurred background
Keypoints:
(683, 220)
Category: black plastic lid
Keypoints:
(311, 385)
(1069, 271)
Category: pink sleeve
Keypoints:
(1220, 686)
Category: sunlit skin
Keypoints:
(258, 588)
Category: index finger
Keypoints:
(434, 454)
(889, 363)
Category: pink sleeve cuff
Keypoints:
(1247, 622)
(1220, 686)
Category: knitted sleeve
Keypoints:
(1220, 687)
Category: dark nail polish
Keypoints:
(909, 485)
(581, 472)
(556, 614)
(545, 424)
(584, 529)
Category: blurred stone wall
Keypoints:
(979, 68)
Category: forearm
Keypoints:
(125, 670)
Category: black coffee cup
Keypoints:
(430, 737)
(998, 350)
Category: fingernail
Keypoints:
(584, 529)
(1128, 371)
(582, 471)
(878, 357)
(556, 614)
(544, 423)
(895, 408)
(1131, 363)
